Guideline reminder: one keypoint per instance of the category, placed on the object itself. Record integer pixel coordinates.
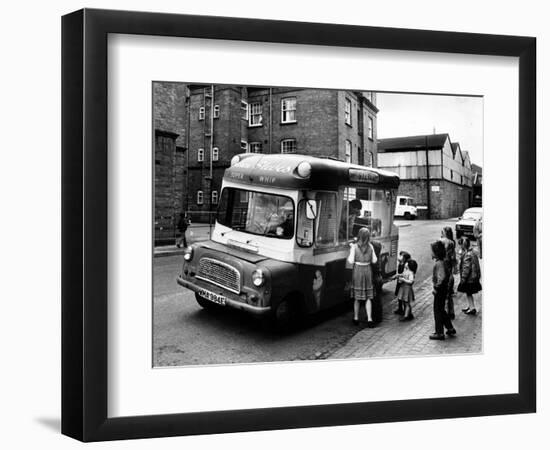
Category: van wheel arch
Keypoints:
(289, 312)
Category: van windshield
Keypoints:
(257, 213)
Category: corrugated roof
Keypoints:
(412, 143)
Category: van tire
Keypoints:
(407, 215)
(458, 234)
(288, 313)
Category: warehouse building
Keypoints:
(442, 187)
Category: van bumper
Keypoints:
(230, 302)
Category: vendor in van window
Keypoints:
(281, 223)
(354, 211)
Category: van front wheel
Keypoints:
(288, 314)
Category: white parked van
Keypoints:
(467, 222)
(404, 207)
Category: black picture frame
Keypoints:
(84, 224)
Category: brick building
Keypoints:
(225, 120)
(445, 189)
(169, 140)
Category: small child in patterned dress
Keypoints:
(406, 292)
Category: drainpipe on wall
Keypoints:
(428, 177)
(270, 120)
(211, 153)
(187, 143)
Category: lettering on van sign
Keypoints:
(267, 180)
(274, 167)
(238, 175)
(363, 176)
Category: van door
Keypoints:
(330, 250)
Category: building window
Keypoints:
(200, 155)
(369, 96)
(288, 110)
(255, 114)
(348, 151)
(214, 197)
(244, 110)
(244, 146)
(347, 112)
(255, 147)
(215, 154)
(288, 146)
(200, 197)
(216, 111)
(371, 128)
(371, 159)
(201, 113)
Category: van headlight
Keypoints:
(188, 253)
(258, 278)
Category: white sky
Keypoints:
(416, 114)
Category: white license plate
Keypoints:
(219, 299)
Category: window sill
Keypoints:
(255, 126)
(289, 123)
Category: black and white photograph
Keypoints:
(275, 225)
(297, 224)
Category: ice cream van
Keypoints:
(282, 234)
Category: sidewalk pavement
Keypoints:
(393, 338)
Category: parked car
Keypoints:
(466, 223)
(404, 207)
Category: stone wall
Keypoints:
(446, 199)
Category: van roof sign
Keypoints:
(281, 170)
(363, 176)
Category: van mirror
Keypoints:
(311, 209)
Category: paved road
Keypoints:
(185, 334)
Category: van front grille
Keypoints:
(220, 274)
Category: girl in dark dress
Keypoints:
(470, 275)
